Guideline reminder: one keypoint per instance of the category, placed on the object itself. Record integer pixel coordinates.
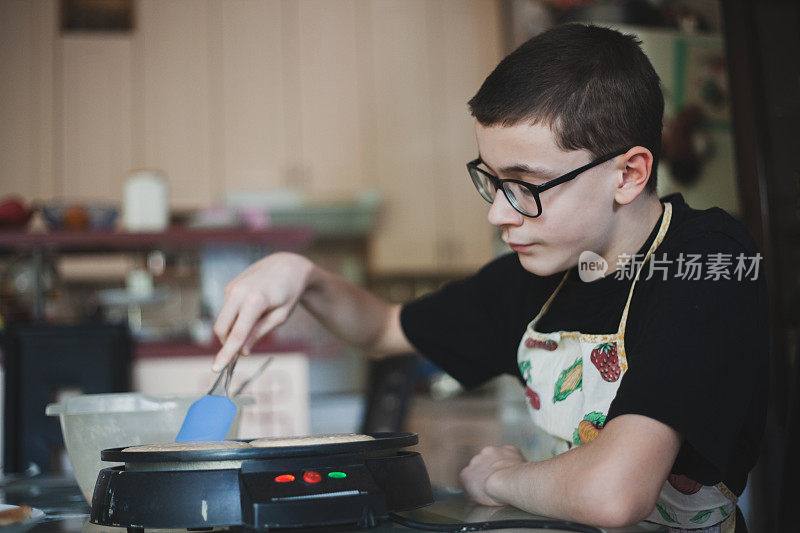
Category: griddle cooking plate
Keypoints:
(350, 484)
(383, 441)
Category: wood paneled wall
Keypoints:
(326, 95)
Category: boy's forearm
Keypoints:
(566, 487)
(543, 488)
(353, 313)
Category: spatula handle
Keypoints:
(222, 385)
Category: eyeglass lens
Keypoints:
(520, 197)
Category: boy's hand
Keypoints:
(258, 300)
(491, 460)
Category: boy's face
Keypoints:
(576, 216)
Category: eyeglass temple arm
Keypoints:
(570, 175)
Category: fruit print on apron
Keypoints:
(571, 380)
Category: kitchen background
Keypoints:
(150, 150)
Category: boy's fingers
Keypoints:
(246, 319)
(262, 327)
(226, 316)
(220, 360)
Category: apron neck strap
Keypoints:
(662, 230)
(546, 305)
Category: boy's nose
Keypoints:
(501, 213)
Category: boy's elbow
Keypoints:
(615, 503)
(621, 510)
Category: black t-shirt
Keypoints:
(697, 349)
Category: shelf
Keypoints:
(106, 241)
(147, 350)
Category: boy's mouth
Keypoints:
(520, 247)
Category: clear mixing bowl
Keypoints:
(93, 422)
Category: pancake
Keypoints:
(189, 446)
(309, 440)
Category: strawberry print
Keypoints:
(548, 344)
(530, 343)
(589, 428)
(683, 484)
(533, 398)
(604, 357)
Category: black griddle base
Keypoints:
(155, 494)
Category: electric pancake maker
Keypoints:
(354, 483)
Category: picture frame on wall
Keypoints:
(97, 15)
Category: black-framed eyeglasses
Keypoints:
(523, 196)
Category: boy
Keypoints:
(652, 378)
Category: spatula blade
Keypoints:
(208, 419)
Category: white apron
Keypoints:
(571, 380)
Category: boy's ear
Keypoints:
(635, 165)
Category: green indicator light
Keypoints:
(337, 475)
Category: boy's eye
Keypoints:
(533, 180)
(527, 177)
(536, 180)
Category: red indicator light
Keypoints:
(312, 477)
(284, 478)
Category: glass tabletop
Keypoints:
(66, 511)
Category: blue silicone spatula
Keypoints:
(210, 417)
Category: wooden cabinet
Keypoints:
(27, 100)
(172, 101)
(327, 96)
(470, 49)
(95, 130)
(402, 134)
(259, 146)
(429, 57)
(323, 59)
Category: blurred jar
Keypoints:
(146, 201)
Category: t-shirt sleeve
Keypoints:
(701, 354)
(461, 327)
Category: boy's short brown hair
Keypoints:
(593, 86)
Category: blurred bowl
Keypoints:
(14, 214)
(94, 422)
(60, 216)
